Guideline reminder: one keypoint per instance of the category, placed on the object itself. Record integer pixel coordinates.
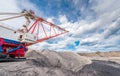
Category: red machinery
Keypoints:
(12, 48)
(39, 31)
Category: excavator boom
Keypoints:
(39, 31)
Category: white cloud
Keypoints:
(93, 31)
(26, 4)
(63, 19)
(107, 20)
(90, 31)
(9, 6)
(16, 6)
(50, 19)
(103, 6)
(112, 29)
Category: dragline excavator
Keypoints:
(39, 31)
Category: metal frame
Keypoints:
(39, 23)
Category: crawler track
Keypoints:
(12, 59)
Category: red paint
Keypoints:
(6, 45)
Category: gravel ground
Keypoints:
(50, 63)
(100, 68)
(45, 63)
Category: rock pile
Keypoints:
(51, 63)
(45, 63)
(65, 60)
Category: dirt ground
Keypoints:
(51, 63)
(102, 54)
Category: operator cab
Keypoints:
(25, 36)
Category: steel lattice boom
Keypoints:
(45, 30)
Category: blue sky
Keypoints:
(61, 7)
(93, 25)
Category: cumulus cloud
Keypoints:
(96, 28)
(50, 19)
(26, 4)
(9, 6)
(101, 33)
(63, 19)
(112, 29)
(103, 6)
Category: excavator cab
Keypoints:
(27, 38)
